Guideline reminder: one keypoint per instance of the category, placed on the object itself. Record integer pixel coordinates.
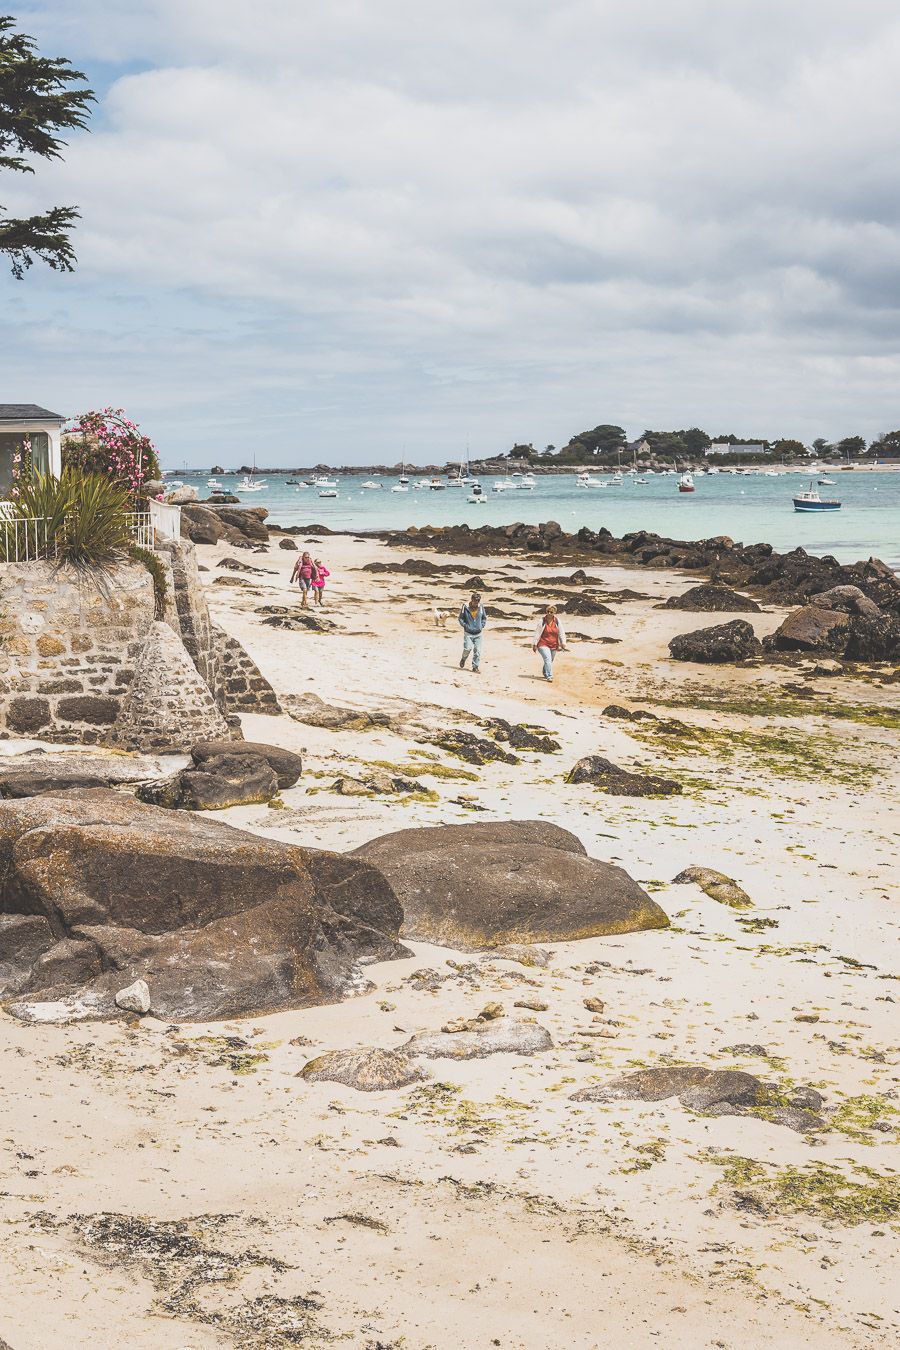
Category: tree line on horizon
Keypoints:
(609, 442)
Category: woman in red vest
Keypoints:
(549, 638)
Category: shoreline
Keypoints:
(484, 1203)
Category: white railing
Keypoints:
(28, 538)
(166, 519)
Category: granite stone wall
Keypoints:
(68, 649)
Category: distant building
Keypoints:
(741, 448)
(26, 421)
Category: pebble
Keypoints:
(594, 1005)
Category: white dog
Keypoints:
(441, 616)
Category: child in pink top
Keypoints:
(318, 585)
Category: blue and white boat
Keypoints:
(811, 501)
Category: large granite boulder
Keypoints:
(724, 642)
(585, 606)
(98, 890)
(488, 884)
(811, 629)
(710, 598)
(201, 525)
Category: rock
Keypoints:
(490, 1011)
(594, 1005)
(810, 629)
(534, 957)
(473, 749)
(806, 1017)
(602, 773)
(31, 774)
(315, 712)
(629, 714)
(804, 1122)
(297, 619)
(873, 639)
(806, 1099)
(230, 779)
(181, 496)
(711, 599)
(724, 642)
(201, 526)
(731, 1086)
(697, 1088)
(716, 885)
(501, 1037)
(488, 884)
(647, 1085)
(585, 606)
(286, 765)
(366, 1069)
(287, 543)
(746, 1049)
(522, 737)
(235, 565)
(826, 667)
(220, 923)
(136, 998)
(848, 600)
(532, 1004)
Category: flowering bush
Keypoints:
(107, 442)
(21, 467)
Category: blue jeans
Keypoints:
(472, 643)
(547, 654)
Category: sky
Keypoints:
(352, 231)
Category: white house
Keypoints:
(26, 421)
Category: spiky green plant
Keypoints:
(85, 515)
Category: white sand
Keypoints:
(511, 1215)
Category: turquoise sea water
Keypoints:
(749, 509)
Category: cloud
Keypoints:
(410, 220)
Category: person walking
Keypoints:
(305, 573)
(318, 585)
(473, 621)
(549, 638)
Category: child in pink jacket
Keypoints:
(318, 585)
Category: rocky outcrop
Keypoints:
(169, 704)
(209, 522)
(712, 599)
(504, 1036)
(873, 639)
(698, 1088)
(489, 884)
(608, 777)
(810, 629)
(585, 605)
(228, 779)
(473, 749)
(98, 890)
(723, 643)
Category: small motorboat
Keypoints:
(324, 482)
(292, 482)
(640, 482)
(825, 481)
(370, 485)
(400, 487)
(248, 485)
(811, 501)
(686, 483)
(527, 482)
(328, 492)
(437, 485)
(477, 496)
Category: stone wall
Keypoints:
(244, 687)
(188, 613)
(67, 649)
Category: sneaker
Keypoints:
(476, 670)
(462, 664)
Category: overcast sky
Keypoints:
(349, 229)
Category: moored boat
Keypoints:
(686, 483)
(811, 501)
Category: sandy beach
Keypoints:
(178, 1186)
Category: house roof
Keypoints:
(27, 412)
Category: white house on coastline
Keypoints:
(26, 421)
